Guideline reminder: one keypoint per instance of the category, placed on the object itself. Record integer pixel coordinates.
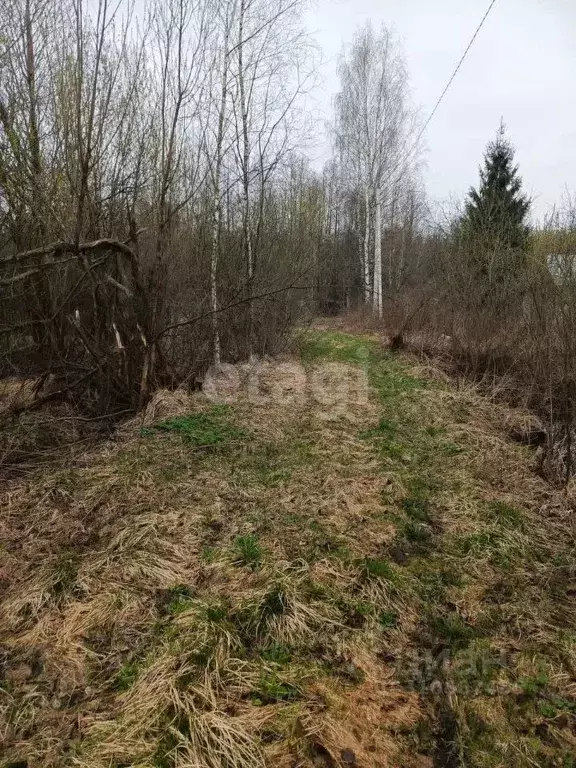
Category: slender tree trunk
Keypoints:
(216, 356)
(377, 292)
(366, 254)
(217, 198)
(216, 219)
(34, 141)
(40, 284)
(247, 230)
(391, 245)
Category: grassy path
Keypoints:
(292, 580)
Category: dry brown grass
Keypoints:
(261, 601)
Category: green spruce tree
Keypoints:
(495, 217)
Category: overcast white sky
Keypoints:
(522, 68)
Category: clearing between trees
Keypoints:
(276, 581)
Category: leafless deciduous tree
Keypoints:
(374, 129)
(144, 174)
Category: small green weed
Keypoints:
(452, 628)
(277, 654)
(532, 686)
(274, 603)
(563, 704)
(248, 550)
(546, 709)
(416, 532)
(127, 675)
(378, 568)
(208, 554)
(217, 612)
(417, 509)
(178, 599)
(271, 688)
(504, 514)
(355, 612)
(388, 619)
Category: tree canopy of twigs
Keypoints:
(149, 221)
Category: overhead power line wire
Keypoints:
(448, 84)
(453, 76)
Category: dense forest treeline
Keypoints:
(159, 213)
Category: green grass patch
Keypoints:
(355, 613)
(277, 654)
(477, 544)
(208, 428)
(273, 464)
(416, 532)
(386, 431)
(433, 579)
(425, 484)
(315, 346)
(272, 688)
(535, 684)
(387, 373)
(247, 551)
(475, 669)
(378, 568)
(504, 514)
(417, 508)
(391, 380)
(178, 599)
(387, 440)
(217, 612)
(209, 554)
(388, 619)
(452, 629)
(127, 675)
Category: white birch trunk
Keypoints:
(217, 213)
(248, 248)
(366, 254)
(377, 292)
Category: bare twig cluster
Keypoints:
(148, 189)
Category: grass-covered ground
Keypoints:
(294, 579)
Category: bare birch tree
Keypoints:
(373, 129)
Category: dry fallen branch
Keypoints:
(103, 243)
